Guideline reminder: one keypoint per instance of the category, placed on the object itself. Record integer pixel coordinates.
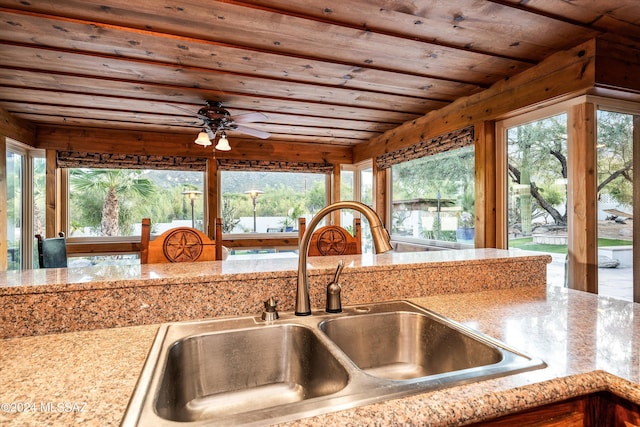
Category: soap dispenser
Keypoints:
(334, 304)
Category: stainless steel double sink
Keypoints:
(245, 371)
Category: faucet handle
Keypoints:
(270, 312)
(338, 271)
(334, 303)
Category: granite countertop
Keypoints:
(109, 277)
(590, 343)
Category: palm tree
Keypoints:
(110, 184)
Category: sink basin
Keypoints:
(403, 345)
(245, 371)
(217, 375)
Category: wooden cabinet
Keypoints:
(602, 409)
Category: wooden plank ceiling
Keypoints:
(322, 71)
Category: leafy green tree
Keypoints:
(115, 188)
(449, 173)
(316, 198)
(538, 162)
(615, 156)
(229, 216)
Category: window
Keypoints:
(537, 190)
(366, 186)
(615, 132)
(15, 201)
(356, 183)
(433, 198)
(38, 180)
(280, 198)
(25, 204)
(347, 184)
(112, 202)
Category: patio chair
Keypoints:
(52, 252)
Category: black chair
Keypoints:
(52, 253)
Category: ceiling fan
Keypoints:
(217, 120)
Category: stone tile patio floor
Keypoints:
(612, 282)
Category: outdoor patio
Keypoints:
(612, 282)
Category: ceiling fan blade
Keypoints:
(249, 117)
(253, 132)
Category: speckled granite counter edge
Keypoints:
(149, 302)
(93, 278)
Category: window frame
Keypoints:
(502, 191)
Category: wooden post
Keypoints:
(636, 207)
(214, 200)
(218, 233)
(145, 237)
(380, 193)
(582, 199)
(485, 185)
(54, 216)
(335, 193)
(4, 241)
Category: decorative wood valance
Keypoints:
(449, 141)
(274, 166)
(78, 159)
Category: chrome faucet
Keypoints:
(380, 240)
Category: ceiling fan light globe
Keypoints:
(203, 139)
(223, 144)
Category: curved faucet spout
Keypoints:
(380, 240)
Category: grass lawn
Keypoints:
(526, 243)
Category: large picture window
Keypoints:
(266, 202)
(112, 202)
(433, 198)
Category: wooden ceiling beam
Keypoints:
(283, 133)
(167, 144)
(568, 72)
(618, 64)
(128, 105)
(31, 111)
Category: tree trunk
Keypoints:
(110, 214)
